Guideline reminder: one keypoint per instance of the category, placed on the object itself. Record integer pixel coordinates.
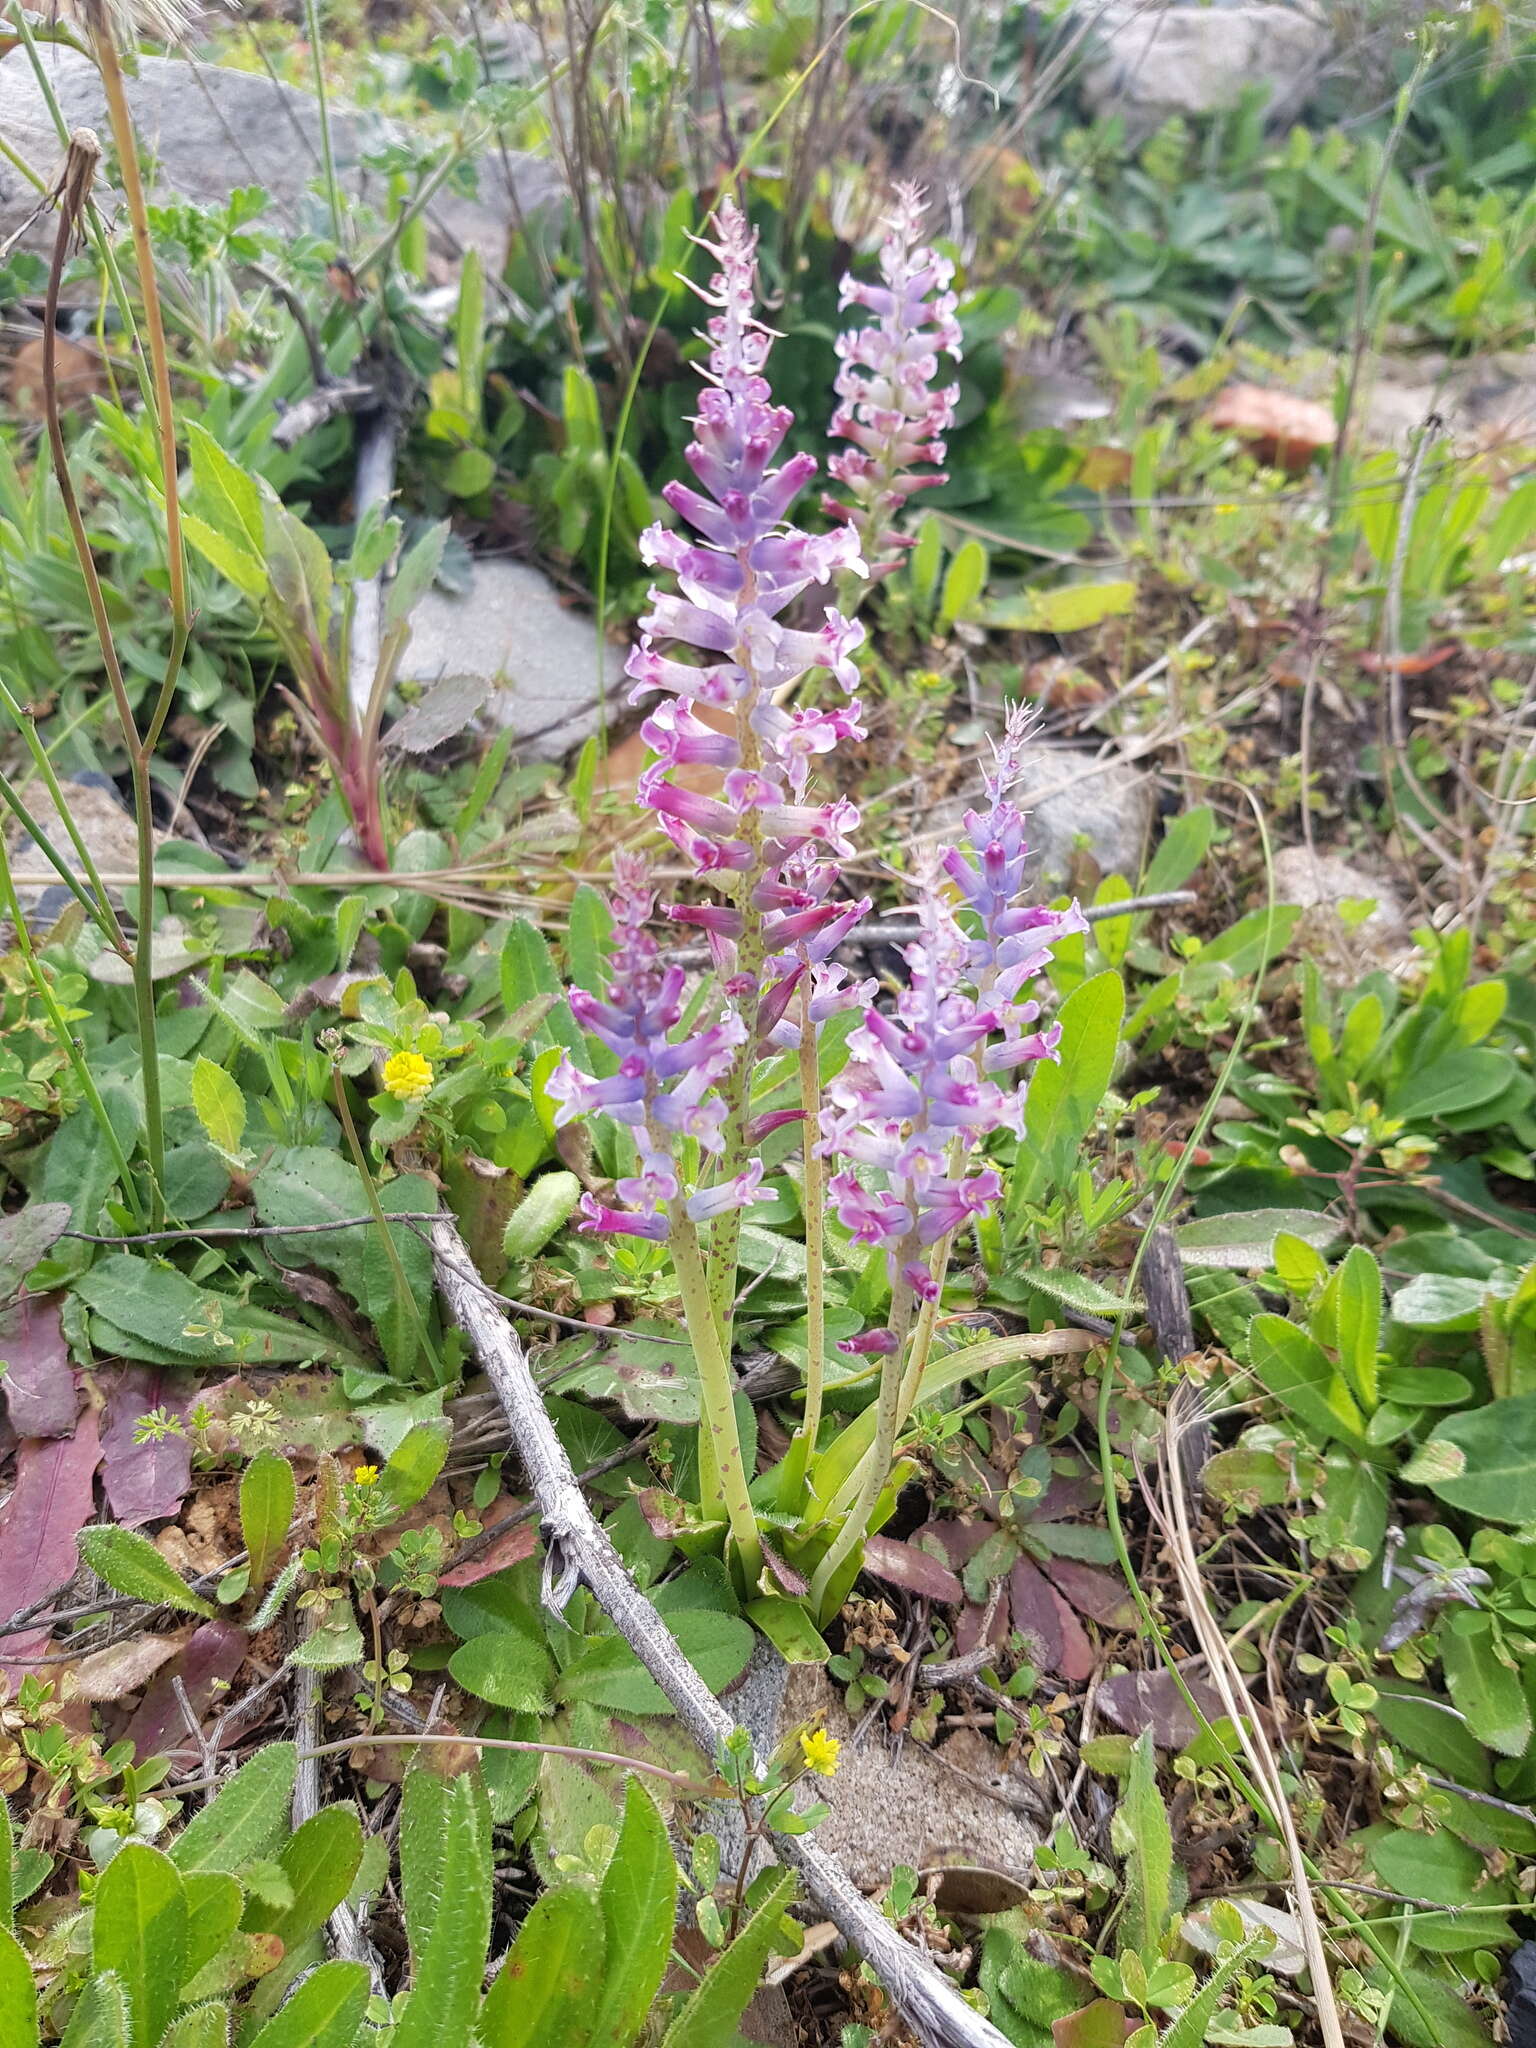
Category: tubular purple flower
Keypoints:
(889, 407)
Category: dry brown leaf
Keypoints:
(1279, 427)
(121, 1668)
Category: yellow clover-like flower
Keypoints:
(365, 1475)
(821, 1752)
(407, 1076)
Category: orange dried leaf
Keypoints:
(1279, 427)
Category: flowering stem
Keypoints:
(801, 1451)
(722, 1473)
(876, 1466)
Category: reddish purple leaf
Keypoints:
(509, 1548)
(145, 1481)
(1037, 1615)
(1039, 1612)
(40, 1386)
(209, 1660)
(1138, 1700)
(901, 1564)
(1101, 1595)
(970, 1632)
(958, 1541)
(50, 1504)
(1065, 1497)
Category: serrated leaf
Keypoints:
(450, 1962)
(246, 1820)
(139, 1930)
(325, 2012)
(131, 1565)
(1145, 1838)
(638, 1898)
(545, 1994)
(268, 1490)
(713, 2011)
(220, 1105)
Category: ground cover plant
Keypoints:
(561, 1318)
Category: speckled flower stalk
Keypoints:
(890, 407)
(736, 581)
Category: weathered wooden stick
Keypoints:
(578, 1548)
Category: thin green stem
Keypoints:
(875, 1467)
(68, 1043)
(105, 922)
(723, 1475)
(327, 150)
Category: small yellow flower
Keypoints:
(407, 1076)
(365, 1475)
(821, 1752)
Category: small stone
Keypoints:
(1322, 886)
(930, 1809)
(1154, 62)
(1077, 808)
(208, 129)
(512, 629)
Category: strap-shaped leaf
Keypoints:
(214, 1905)
(205, 2026)
(248, 1818)
(715, 2008)
(546, 1993)
(18, 1995)
(325, 2011)
(450, 1964)
(139, 1929)
(639, 1902)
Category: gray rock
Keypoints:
(933, 1809)
(512, 629)
(1158, 60)
(1489, 399)
(102, 822)
(1076, 806)
(1320, 884)
(210, 129)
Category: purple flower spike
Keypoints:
(736, 583)
(889, 407)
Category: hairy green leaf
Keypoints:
(18, 1995)
(638, 1897)
(450, 1956)
(139, 1929)
(545, 1994)
(325, 2012)
(130, 1564)
(100, 2018)
(247, 1820)
(712, 2012)
(1145, 1839)
(267, 1493)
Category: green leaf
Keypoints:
(1458, 1081)
(1452, 2024)
(7, 1867)
(205, 2026)
(1439, 1301)
(139, 1930)
(607, 1673)
(1145, 1839)
(268, 1490)
(333, 1642)
(964, 581)
(1069, 608)
(1250, 1239)
(546, 1208)
(100, 2018)
(589, 927)
(1490, 1465)
(415, 576)
(167, 1312)
(638, 1897)
(325, 2012)
(26, 1236)
(1185, 844)
(214, 1905)
(1188, 2028)
(1358, 1321)
(1487, 1691)
(415, 1462)
(220, 1104)
(507, 1668)
(319, 1861)
(18, 1995)
(528, 970)
(227, 495)
(1071, 1288)
(450, 1961)
(247, 1819)
(1293, 1368)
(243, 570)
(1064, 1096)
(131, 1565)
(545, 1994)
(715, 2008)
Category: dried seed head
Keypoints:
(125, 22)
